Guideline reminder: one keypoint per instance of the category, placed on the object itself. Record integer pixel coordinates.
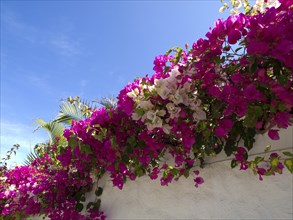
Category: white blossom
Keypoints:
(145, 105)
(133, 94)
(173, 110)
(135, 116)
(167, 128)
(199, 114)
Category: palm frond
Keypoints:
(54, 129)
(33, 155)
(109, 102)
(73, 109)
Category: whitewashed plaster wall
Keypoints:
(226, 194)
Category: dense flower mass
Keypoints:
(230, 86)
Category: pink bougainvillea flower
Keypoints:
(274, 155)
(261, 172)
(159, 63)
(196, 172)
(243, 166)
(282, 119)
(233, 36)
(273, 134)
(224, 127)
(251, 93)
(118, 181)
(154, 174)
(198, 181)
(280, 167)
(255, 47)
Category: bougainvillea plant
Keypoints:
(216, 96)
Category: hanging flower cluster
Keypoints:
(42, 189)
(227, 88)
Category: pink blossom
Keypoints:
(198, 181)
(233, 36)
(273, 134)
(224, 127)
(282, 119)
(154, 174)
(251, 93)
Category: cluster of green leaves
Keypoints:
(3, 161)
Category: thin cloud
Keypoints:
(41, 82)
(14, 26)
(65, 46)
(60, 42)
(82, 85)
(19, 133)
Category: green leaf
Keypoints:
(252, 116)
(258, 159)
(239, 48)
(289, 164)
(186, 173)
(287, 153)
(85, 148)
(82, 198)
(174, 172)
(252, 165)
(97, 205)
(131, 140)
(274, 162)
(202, 163)
(114, 142)
(234, 163)
(267, 148)
(89, 205)
(253, 67)
(248, 138)
(99, 191)
(139, 112)
(219, 148)
(79, 207)
(72, 142)
(230, 146)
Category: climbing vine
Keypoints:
(215, 96)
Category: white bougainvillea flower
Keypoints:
(133, 94)
(135, 116)
(154, 118)
(237, 4)
(199, 114)
(167, 128)
(260, 5)
(173, 110)
(164, 92)
(176, 97)
(174, 76)
(194, 103)
(161, 88)
(145, 105)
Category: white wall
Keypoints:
(226, 194)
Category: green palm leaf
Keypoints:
(54, 129)
(72, 109)
(108, 103)
(31, 157)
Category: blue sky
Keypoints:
(54, 49)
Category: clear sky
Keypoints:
(54, 49)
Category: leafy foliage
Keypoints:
(199, 102)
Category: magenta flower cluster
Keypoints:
(228, 87)
(40, 189)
